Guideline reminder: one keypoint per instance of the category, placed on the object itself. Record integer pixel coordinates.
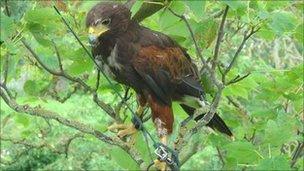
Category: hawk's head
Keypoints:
(107, 19)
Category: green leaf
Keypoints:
(181, 32)
(280, 131)
(48, 57)
(167, 19)
(7, 27)
(218, 140)
(178, 110)
(141, 145)
(266, 33)
(235, 90)
(43, 22)
(299, 35)
(235, 5)
(80, 62)
(123, 159)
(46, 17)
(243, 152)
(274, 163)
(197, 7)
(26, 133)
(276, 5)
(101, 127)
(34, 87)
(31, 88)
(22, 119)
(282, 22)
(136, 7)
(206, 32)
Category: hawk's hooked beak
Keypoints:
(95, 32)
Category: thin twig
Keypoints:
(6, 90)
(58, 57)
(198, 51)
(126, 97)
(6, 9)
(238, 105)
(220, 155)
(57, 73)
(86, 129)
(219, 39)
(190, 152)
(97, 81)
(66, 97)
(30, 145)
(107, 108)
(236, 55)
(69, 141)
(5, 68)
(238, 78)
(37, 111)
(297, 153)
(206, 119)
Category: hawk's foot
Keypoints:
(124, 130)
(160, 165)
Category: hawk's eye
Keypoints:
(106, 21)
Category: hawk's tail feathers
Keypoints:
(215, 123)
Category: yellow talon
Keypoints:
(159, 165)
(123, 129)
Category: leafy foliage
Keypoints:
(264, 110)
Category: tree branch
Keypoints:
(60, 73)
(126, 97)
(238, 78)
(69, 141)
(219, 39)
(107, 108)
(5, 68)
(40, 112)
(31, 145)
(58, 56)
(239, 106)
(86, 129)
(236, 55)
(189, 153)
(6, 9)
(297, 153)
(220, 85)
(220, 155)
(206, 119)
(66, 97)
(198, 49)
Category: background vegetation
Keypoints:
(53, 117)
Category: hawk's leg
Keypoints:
(161, 165)
(127, 129)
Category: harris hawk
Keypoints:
(158, 69)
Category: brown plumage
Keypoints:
(155, 66)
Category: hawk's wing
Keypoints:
(165, 67)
